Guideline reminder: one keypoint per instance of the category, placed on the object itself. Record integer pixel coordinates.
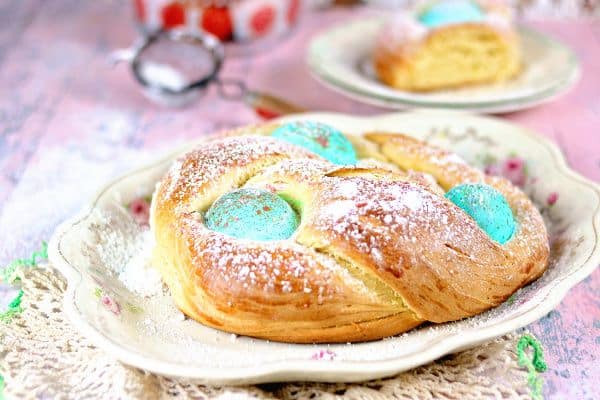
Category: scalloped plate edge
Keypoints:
(307, 369)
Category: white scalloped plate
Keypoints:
(149, 333)
(340, 59)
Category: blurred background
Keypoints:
(535, 8)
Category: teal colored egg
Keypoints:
(451, 12)
(252, 214)
(487, 207)
(319, 138)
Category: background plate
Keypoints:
(148, 332)
(340, 58)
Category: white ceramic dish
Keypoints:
(340, 58)
(149, 333)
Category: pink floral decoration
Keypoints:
(552, 198)
(326, 355)
(513, 169)
(140, 210)
(110, 304)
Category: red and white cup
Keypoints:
(239, 21)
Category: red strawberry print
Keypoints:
(140, 9)
(217, 20)
(293, 11)
(262, 20)
(172, 15)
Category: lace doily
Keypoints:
(42, 356)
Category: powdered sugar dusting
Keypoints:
(347, 189)
(404, 32)
(244, 266)
(367, 215)
(412, 199)
(402, 29)
(138, 275)
(214, 159)
(336, 210)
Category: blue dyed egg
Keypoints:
(487, 207)
(451, 12)
(249, 213)
(319, 138)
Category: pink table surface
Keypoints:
(69, 122)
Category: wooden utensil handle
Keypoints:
(269, 106)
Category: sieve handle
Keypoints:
(269, 106)
(264, 104)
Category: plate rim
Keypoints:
(505, 108)
(277, 371)
(512, 104)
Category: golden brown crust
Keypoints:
(378, 250)
(476, 272)
(449, 57)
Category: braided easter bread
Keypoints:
(370, 248)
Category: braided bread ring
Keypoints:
(379, 249)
